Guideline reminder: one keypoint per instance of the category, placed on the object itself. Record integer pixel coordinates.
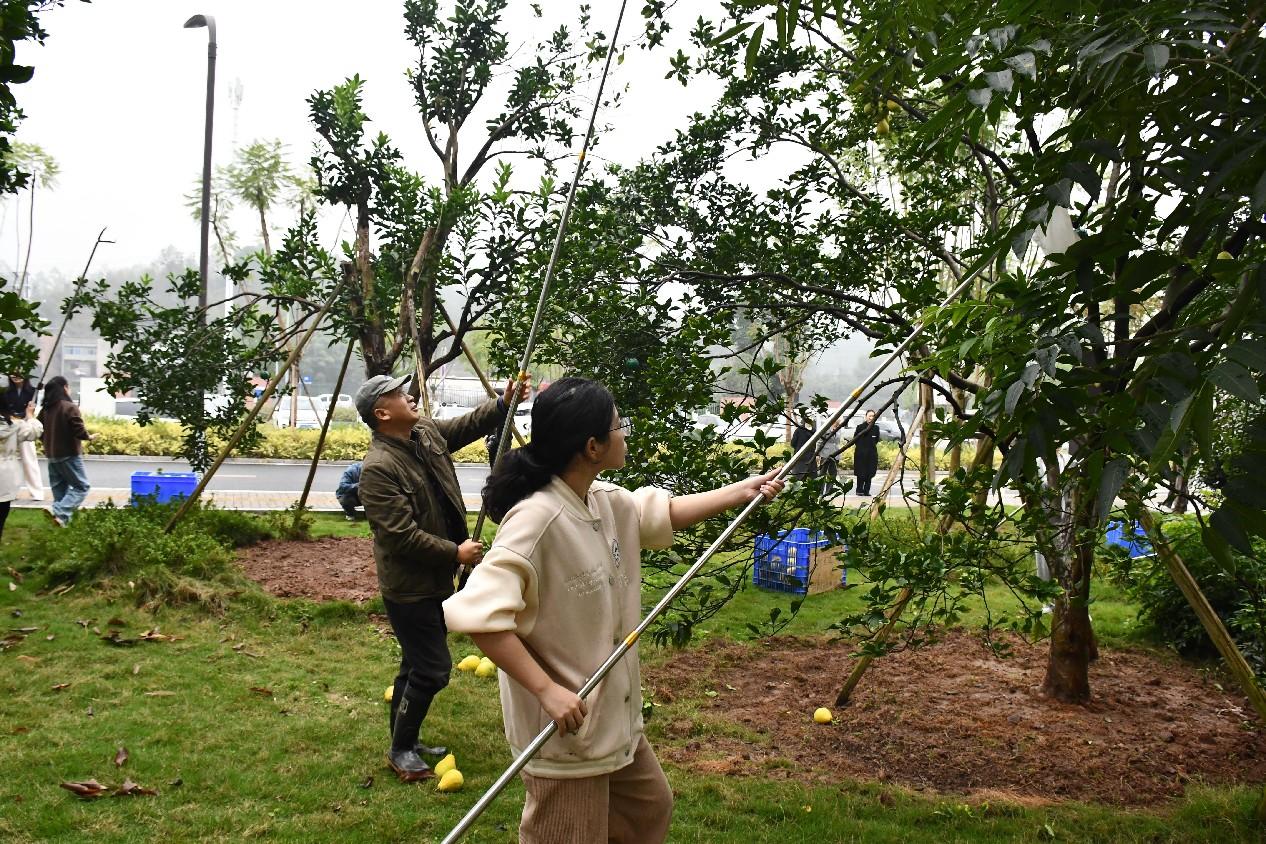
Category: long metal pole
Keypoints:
(79, 283)
(630, 640)
(512, 402)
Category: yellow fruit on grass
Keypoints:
(469, 663)
(822, 715)
(882, 128)
(1225, 256)
(486, 668)
(451, 781)
(387, 694)
(448, 763)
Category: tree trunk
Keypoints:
(927, 459)
(1072, 638)
(956, 453)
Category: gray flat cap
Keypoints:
(373, 389)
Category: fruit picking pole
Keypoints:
(512, 402)
(630, 640)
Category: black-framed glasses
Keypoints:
(625, 425)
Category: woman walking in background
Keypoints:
(15, 431)
(64, 433)
(17, 398)
(866, 453)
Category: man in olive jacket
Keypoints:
(409, 489)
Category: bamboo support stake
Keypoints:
(474, 364)
(320, 445)
(1213, 625)
(927, 460)
(903, 598)
(251, 416)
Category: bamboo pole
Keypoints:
(903, 598)
(320, 445)
(927, 460)
(474, 364)
(251, 416)
(1213, 625)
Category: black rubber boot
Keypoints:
(397, 694)
(402, 757)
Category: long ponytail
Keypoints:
(564, 418)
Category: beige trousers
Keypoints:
(631, 806)
(31, 470)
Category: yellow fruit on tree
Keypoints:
(892, 105)
(882, 128)
(448, 763)
(486, 668)
(822, 715)
(387, 694)
(1225, 256)
(469, 663)
(451, 781)
(869, 108)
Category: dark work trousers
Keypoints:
(425, 664)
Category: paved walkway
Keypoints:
(258, 500)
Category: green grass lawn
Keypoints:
(291, 761)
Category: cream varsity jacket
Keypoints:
(564, 574)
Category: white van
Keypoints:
(310, 412)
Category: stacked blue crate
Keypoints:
(163, 486)
(1132, 539)
(782, 562)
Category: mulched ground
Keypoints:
(947, 718)
(334, 568)
(952, 718)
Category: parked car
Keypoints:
(344, 400)
(888, 430)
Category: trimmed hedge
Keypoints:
(163, 439)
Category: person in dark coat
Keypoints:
(807, 467)
(866, 453)
(64, 435)
(348, 491)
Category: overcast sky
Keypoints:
(119, 92)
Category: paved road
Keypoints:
(245, 475)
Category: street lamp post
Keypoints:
(195, 22)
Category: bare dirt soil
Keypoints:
(333, 568)
(948, 718)
(952, 718)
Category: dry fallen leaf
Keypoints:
(62, 590)
(24, 630)
(121, 757)
(57, 687)
(116, 622)
(83, 622)
(86, 789)
(50, 637)
(369, 782)
(131, 789)
(160, 693)
(15, 574)
(176, 783)
(16, 613)
(136, 669)
(28, 659)
(13, 587)
(89, 712)
(260, 690)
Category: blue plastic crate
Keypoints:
(163, 486)
(782, 562)
(1133, 540)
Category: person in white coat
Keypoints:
(14, 432)
(20, 393)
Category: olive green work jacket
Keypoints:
(414, 505)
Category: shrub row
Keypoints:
(163, 439)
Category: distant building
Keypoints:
(75, 359)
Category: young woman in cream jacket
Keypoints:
(13, 432)
(557, 592)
